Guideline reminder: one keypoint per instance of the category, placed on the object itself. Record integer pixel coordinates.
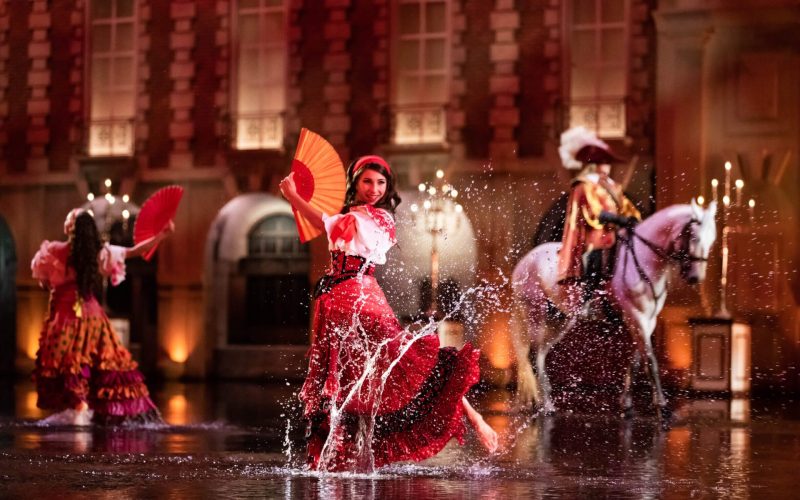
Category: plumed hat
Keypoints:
(580, 146)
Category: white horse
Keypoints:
(677, 238)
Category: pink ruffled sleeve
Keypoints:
(111, 263)
(46, 265)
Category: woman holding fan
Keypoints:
(82, 371)
(375, 393)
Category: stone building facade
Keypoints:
(211, 95)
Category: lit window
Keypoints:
(421, 84)
(598, 64)
(276, 237)
(112, 77)
(261, 58)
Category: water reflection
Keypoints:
(226, 442)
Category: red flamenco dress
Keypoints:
(80, 358)
(388, 394)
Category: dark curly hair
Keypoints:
(86, 246)
(390, 199)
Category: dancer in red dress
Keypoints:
(375, 393)
(82, 370)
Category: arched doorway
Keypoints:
(276, 286)
(257, 290)
(8, 298)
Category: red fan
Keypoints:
(155, 214)
(320, 179)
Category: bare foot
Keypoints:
(487, 435)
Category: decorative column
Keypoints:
(456, 116)
(38, 83)
(77, 76)
(336, 92)
(504, 82)
(182, 70)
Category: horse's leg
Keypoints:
(642, 328)
(550, 336)
(626, 399)
(522, 333)
(655, 379)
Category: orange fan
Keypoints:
(320, 179)
(155, 214)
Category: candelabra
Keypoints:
(730, 205)
(107, 210)
(435, 216)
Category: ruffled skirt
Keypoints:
(389, 395)
(80, 359)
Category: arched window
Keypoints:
(273, 279)
(276, 237)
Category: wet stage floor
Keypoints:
(230, 441)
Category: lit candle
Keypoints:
(701, 200)
(751, 205)
(728, 180)
(739, 186)
(726, 200)
(714, 185)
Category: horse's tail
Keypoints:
(528, 392)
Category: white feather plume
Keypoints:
(572, 140)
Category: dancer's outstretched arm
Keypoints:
(486, 434)
(289, 191)
(143, 246)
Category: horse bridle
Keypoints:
(681, 255)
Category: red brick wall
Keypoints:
(16, 151)
(532, 100)
(477, 69)
(364, 135)
(62, 63)
(206, 55)
(311, 57)
(159, 85)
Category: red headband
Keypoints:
(364, 160)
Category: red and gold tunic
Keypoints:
(583, 231)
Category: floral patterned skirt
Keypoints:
(80, 359)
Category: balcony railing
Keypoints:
(111, 137)
(419, 125)
(606, 117)
(259, 131)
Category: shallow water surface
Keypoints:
(230, 441)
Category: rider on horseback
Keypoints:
(596, 208)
